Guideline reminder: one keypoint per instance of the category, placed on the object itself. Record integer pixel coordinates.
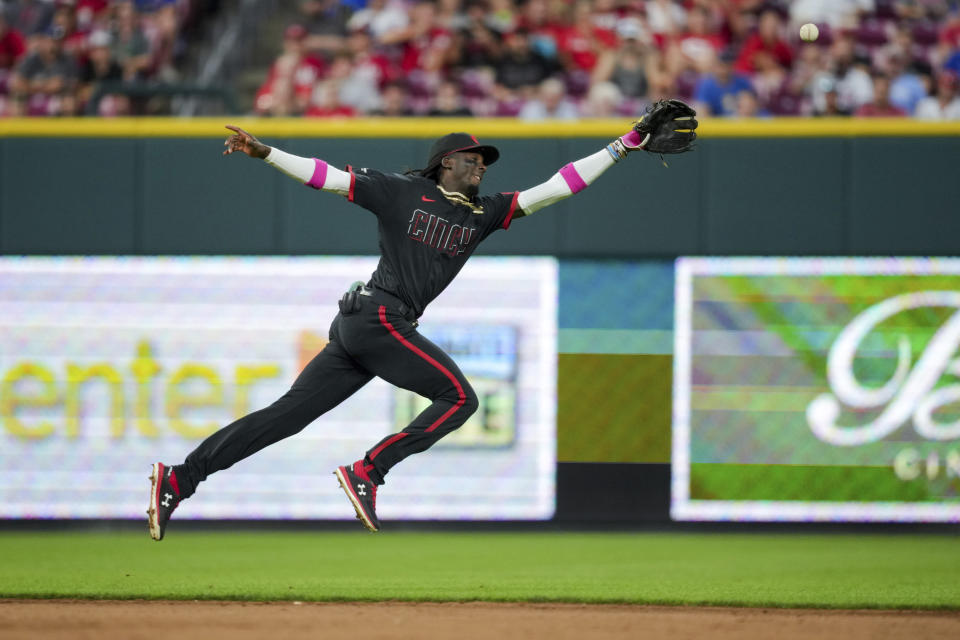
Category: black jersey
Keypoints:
(424, 238)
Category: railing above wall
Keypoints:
(212, 127)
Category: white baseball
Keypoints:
(809, 32)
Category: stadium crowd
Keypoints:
(537, 59)
(532, 59)
(62, 57)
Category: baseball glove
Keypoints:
(667, 127)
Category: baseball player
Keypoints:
(429, 221)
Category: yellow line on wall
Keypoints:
(434, 127)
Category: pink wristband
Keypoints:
(319, 177)
(632, 138)
(573, 179)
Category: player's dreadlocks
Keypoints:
(431, 172)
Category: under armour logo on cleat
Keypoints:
(361, 489)
(166, 499)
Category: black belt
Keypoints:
(390, 300)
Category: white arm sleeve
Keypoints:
(310, 171)
(569, 180)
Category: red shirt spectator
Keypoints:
(700, 44)
(365, 56)
(580, 45)
(64, 23)
(544, 29)
(434, 44)
(326, 102)
(423, 42)
(767, 38)
(290, 82)
(12, 45)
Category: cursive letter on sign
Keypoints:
(910, 392)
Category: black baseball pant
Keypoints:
(376, 340)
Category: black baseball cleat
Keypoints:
(164, 498)
(362, 493)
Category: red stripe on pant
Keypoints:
(462, 397)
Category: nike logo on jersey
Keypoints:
(426, 199)
(438, 233)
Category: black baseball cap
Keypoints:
(454, 142)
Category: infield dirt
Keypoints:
(55, 619)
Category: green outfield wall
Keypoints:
(161, 186)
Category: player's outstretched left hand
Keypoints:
(243, 141)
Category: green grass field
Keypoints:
(835, 571)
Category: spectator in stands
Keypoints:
(446, 102)
(767, 39)
(289, 84)
(100, 70)
(507, 103)
(451, 15)
(901, 46)
(325, 102)
(396, 102)
(162, 32)
(582, 43)
(944, 104)
(808, 66)
(551, 102)
(382, 19)
(477, 45)
(948, 40)
(326, 25)
(72, 42)
(521, 68)
(31, 16)
(769, 78)
(42, 83)
(910, 84)
(543, 21)
(953, 63)
(91, 13)
(358, 89)
(368, 62)
(501, 16)
(826, 101)
(748, 105)
(423, 41)
(130, 47)
(918, 9)
(631, 65)
(738, 26)
(602, 101)
(880, 107)
(853, 84)
(605, 15)
(697, 46)
(666, 19)
(12, 47)
(716, 92)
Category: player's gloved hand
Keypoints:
(667, 127)
(243, 141)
